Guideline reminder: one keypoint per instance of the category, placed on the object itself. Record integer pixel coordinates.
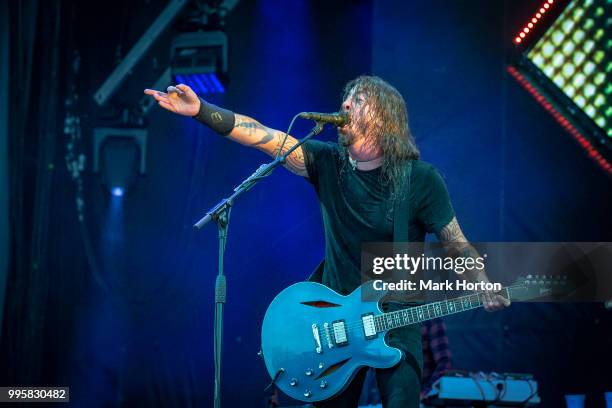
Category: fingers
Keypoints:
(158, 95)
(487, 301)
(493, 302)
(184, 88)
(174, 92)
(166, 105)
(505, 302)
(187, 91)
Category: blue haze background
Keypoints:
(140, 333)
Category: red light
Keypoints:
(534, 20)
(517, 40)
(546, 5)
(550, 1)
(542, 10)
(526, 30)
(522, 35)
(530, 25)
(538, 15)
(591, 151)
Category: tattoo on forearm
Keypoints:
(453, 239)
(451, 233)
(252, 128)
(457, 245)
(260, 136)
(295, 161)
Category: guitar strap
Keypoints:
(401, 206)
(401, 217)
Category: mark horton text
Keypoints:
(404, 284)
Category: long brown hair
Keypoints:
(386, 125)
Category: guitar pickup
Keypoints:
(317, 338)
(340, 333)
(369, 326)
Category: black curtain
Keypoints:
(35, 128)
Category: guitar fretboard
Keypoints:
(416, 314)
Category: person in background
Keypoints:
(437, 357)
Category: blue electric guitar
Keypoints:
(314, 340)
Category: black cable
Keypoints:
(482, 393)
(498, 393)
(286, 136)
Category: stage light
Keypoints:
(576, 47)
(119, 157)
(571, 129)
(117, 191)
(199, 59)
(568, 71)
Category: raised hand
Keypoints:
(178, 99)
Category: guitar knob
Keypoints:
(323, 384)
(293, 382)
(309, 372)
(307, 393)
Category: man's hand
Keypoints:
(494, 301)
(178, 99)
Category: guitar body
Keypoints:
(314, 340)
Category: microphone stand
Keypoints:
(220, 214)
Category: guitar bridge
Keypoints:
(317, 338)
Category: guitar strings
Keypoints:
(359, 323)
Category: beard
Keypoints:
(345, 138)
(349, 133)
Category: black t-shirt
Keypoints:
(356, 209)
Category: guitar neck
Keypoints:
(417, 314)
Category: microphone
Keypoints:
(336, 119)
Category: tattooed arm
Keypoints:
(249, 132)
(457, 245)
(182, 100)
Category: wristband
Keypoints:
(218, 119)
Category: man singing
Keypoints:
(357, 181)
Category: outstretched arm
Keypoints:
(182, 100)
(456, 244)
(249, 132)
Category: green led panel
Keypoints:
(576, 54)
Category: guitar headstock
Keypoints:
(541, 287)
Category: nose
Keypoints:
(346, 105)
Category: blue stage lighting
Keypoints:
(119, 157)
(201, 83)
(118, 191)
(199, 60)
